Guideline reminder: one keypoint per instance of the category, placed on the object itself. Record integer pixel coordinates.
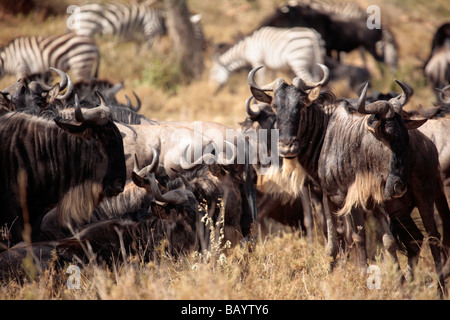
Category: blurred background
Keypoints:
(166, 94)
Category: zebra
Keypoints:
(25, 56)
(298, 49)
(134, 22)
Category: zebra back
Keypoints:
(298, 49)
(130, 22)
(25, 56)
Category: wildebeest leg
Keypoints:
(356, 237)
(332, 248)
(425, 196)
(410, 238)
(442, 206)
(426, 211)
(388, 239)
(307, 214)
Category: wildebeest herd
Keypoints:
(84, 177)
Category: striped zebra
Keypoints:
(25, 56)
(134, 22)
(278, 49)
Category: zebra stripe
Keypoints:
(298, 49)
(129, 22)
(25, 56)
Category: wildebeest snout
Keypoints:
(288, 147)
(395, 187)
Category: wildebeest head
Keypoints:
(96, 125)
(300, 109)
(289, 102)
(386, 124)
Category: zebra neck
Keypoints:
(235, 57)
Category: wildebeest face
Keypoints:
(393, 133)
(288, 103)
(114, 181)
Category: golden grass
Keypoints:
(282, 266)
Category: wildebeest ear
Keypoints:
(53, 93)
(139, 181)
(313, 95)
(260, 95)
(372, 123)
(413, 124)
(70, 126)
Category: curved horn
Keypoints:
(116, 88)
(381, 108)
(444, 97)
(130, 106)
(138, 101)
(303, 85)
(361, 104)
(150, 168)
(206, 158)
(77, 101)
(63, 76)
(69, 89)
(175, 197)
(101, 97)
(399, 101)
(99, 115)
(78, 113)
(268, 87)
(248, 108)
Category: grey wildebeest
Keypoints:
(360, 156)
(72, 164)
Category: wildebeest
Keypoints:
(437, 66)
(274, 200)
(109, 241)
(359, 155)
(72, 164)
(341, 32)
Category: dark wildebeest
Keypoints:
(132, 223)
(437, 67)
(72, 164)
(109, 241)
(274, 200)
(140, 233)
(340, 32)
(359, 157)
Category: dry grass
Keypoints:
(283, 266)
